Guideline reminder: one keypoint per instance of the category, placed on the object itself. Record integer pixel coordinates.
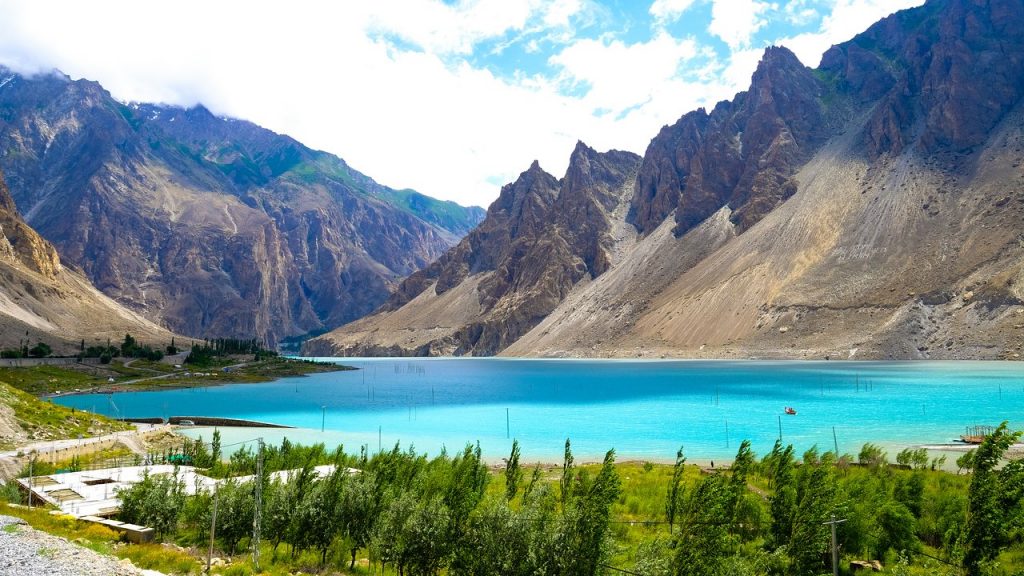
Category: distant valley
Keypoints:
(210, 226)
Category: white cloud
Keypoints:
(335, 75)
(449, 29)
(846, 19)
(614, 71)
(668, 11)
(736, 21)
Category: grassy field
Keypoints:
(43, 420)
(147, 375)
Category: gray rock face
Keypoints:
(869, 208)
(215, 227)
(743, 154)
(541, 237)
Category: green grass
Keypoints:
(39, 380)
(47, 421)
(42, 380)
(160, 558)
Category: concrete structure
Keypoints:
(93, 493)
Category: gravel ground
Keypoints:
(25, 551)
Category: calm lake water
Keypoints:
(643, 409)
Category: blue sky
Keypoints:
(452, 98)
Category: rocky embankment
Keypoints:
(26, 551)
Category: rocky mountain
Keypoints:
(868, 208)
(212, 226)
(540, 239)
(41, 300)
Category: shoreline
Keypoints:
(222, 379)
(555, 460)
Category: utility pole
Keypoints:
(257, 517)
(835, 548)
(213, 528)
(31, 460)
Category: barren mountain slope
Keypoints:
(40, 300)
(541, 238)
(867, 208)
(903, 259)
(903, 237)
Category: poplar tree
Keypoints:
(993, 498)
(512, 472)
(675, 490)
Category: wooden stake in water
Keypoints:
(726, 433)
(507, 429)
(780, 429)
(835, 443)
(378, 439)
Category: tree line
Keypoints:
(419, 516)
(204, 353)
(128, 348)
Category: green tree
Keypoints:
(427, 537)
(388, 543)
(215, 455)
(498, 542)
(703, 541)
(156, 502)
(965, 462)
(581, 537)
(40, 350)
(235, 508)
(675, 489)
(567, 472)
(913, 458)
(815, 502)
(359, 508)
(279, 506)
(512, 472)
(316, 519)
(898, 529)
(988, 520)
(782, 502)
(872, 455)
(128, 346)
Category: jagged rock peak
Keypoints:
(741, 155)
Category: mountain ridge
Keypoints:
(862, 209)
(214, 226)
(42, 301)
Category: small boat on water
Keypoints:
(790, 411)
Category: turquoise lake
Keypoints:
(643, 409)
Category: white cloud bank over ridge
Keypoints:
(391, 85)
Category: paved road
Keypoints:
(11, 462)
